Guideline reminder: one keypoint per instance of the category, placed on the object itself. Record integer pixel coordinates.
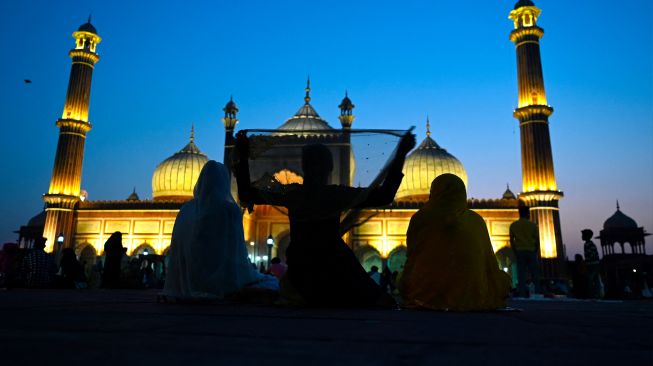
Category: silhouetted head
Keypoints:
(68, 256)
(116, 236)
(39, 243)
(317, 163)
(524, 211)
(586, 234)
(374, 269)
(275, 260)
(448, 192)
(213, 183)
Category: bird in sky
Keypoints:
(27, 81)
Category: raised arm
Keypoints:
(385, 193)
(248, 194)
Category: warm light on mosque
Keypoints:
(147, 225)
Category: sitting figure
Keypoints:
(72, 272)
(38, 266)
(314, 211)
(208, 257)
(450, 263)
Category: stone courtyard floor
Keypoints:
(125, 327)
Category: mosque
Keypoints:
(71, 220)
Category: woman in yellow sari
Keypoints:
(450, 262)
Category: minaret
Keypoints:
(539, 189)
(346, 112)
(64, 192)
(229, 121)
(348, 162)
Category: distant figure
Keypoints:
(8, 265)
(277, 268)
(450, 262)
(592, 264)
(39, 266)
(113, 252)
(261, 268)
(72, 272)
(386, 281)
(525, 243)
(375, 275)
(208, 256)
(314, 211)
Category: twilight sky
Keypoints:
(166, 64)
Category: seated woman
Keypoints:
(314, 210)
(450, 263)
(208, 256)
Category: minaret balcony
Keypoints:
(74, 125)
(547, 198)
(533, 33)
(533, 112)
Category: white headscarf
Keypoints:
(208, 256)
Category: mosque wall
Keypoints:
(386, 231)
(140, 228)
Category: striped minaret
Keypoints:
(65, 185)
(539, 189)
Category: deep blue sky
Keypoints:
(167, 64)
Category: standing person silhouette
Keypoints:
(525, 243)
(113, 252)
(314, 210)
(592, 264)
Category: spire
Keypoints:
(508, 195)
(192, 133)
(346, 106)
(307, 98)
(89, 18)
(428, 126)
(617, 205)
(133, 196)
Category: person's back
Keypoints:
(450, 263)
(113, 252)
(208, 257)
(72, 271)
(314, 210)
(525, 243)
(524, 234)
(39, 266)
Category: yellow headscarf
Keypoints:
(450, 262)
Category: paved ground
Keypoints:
(128, 327)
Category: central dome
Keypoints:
(174, 179)
(306, 118)
(423, 165)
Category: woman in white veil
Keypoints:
(208, 256)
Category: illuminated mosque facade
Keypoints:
(74, 221)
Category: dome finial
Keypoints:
(307, 98)
(428, 126)
(617, 205)
(192, 132)
(89, 18)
